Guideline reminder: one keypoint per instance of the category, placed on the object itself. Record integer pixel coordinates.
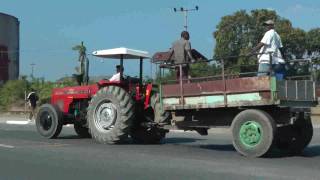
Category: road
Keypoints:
(25, 155)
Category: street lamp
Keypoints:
(185, 12)
(32, 69)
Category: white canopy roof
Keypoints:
(117, 52)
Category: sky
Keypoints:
(49, 29)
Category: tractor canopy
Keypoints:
(124, 53)
(121, 53)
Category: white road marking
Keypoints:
(317, 126)
(176, 130)
(17, 122)
(6, 146)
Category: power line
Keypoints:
(185, 12)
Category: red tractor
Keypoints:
(110, 112)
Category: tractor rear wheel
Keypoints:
(110, 114)
(294, 138)
(160, 116)
(82, 132)
(49, 121)
(253, 132)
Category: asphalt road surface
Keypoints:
(25, 155)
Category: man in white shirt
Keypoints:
(116, 77)
(270, 52)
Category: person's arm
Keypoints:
(115, 77)
(281, 49)
(255, 49)
(170, 55)
(266, 40)
(188, 50)
(282, 52)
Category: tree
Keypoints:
(313, 42)
(83, 62)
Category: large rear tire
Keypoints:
(253, 132)
(49, 121)
(293, 139)
(110, 114)
(160, 116)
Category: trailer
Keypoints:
(261, 111)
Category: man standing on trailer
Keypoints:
(181, 54)
(270, 48)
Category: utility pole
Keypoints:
(185, 13)
(32, 69)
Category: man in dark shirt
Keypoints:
(32, 99)
(180, 53)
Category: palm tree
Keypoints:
(83, 62)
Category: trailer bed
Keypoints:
(235, 92)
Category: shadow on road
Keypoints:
(181, 140)
(311, 151)
(71, 137)
(219, 147)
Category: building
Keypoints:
(9, 47)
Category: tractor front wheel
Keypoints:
(49, 121)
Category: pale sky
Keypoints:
(49, 29)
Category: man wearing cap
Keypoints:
(181, 54)
(270, 52)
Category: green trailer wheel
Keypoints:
(253, 132)
(250, 133)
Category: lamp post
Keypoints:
(32, 69)
(185, 13)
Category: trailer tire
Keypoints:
(82, 132)
(49, 121)
(293, 139)
(253, 132)
(110, 114)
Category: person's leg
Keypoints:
(32, 112)
(185, 74)
(178, 73)
(263, 69)
(279, 71)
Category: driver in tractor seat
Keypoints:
(116, 77)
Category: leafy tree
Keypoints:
(313, 42)
(83, 62)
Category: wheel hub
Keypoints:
(250, 133)
(105, 116)
(46, 121)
